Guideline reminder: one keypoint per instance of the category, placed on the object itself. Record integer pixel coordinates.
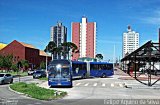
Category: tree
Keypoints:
(58, 51)
(7, 62)
(64, 49)
(1, 61)
(51, 48)
(99, 57)
(69, 46)
(25, 63)
(42, 65)
(14, 67)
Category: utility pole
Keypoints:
(19, 65)
(47, 61)
(46, 64)
(114, 57)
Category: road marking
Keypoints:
(121, 85)
(37, 103)
(112, 85)
(95, 84)
(103, 84)
(78, 84)
(86, 84)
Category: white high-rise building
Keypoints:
(130, 41)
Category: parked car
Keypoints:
(30, 72)
(6, 78)
(39, 74)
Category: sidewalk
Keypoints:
(132, 83)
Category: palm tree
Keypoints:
(64, 49)
(99, 57)
(51, 48)
(58, 51)
(69, 46)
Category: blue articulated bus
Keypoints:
(91, 69)
(59, 73)
(79, 69)
(100, 69)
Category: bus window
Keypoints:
(94, 67)
(75, 66)
(77, 69)
(80, 66)
(109, 66)
(65, 72)
(100, 67)
(104, 66)
(84, 67)
(52, 72)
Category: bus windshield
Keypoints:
(61, 72)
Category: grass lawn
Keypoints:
(44, 78)
(36, 92)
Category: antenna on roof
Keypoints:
(84, 16)
(59, 23)
(129, 28)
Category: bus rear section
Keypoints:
(59, 73)
(79, 69)
(101, 69)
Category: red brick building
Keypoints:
(84, 36)
(23, 51)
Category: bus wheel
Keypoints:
(103, 75)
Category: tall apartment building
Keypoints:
(59, 35)
(84, 36)
(130, 41)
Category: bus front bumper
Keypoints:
(59, 83)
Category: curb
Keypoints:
(156, 88)
(27, 96)
(15, 91)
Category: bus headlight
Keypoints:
(58, 66)
(50, 80)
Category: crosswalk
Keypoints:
(97, 84)
(78, 84)
(103, 84)
(91, 84)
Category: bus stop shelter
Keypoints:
(144, 61)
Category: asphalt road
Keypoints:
(8, 97)
(108, 88)
(93, 91)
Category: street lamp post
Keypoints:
(46, 61)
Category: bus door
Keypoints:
(74, 67)
(88, 69)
